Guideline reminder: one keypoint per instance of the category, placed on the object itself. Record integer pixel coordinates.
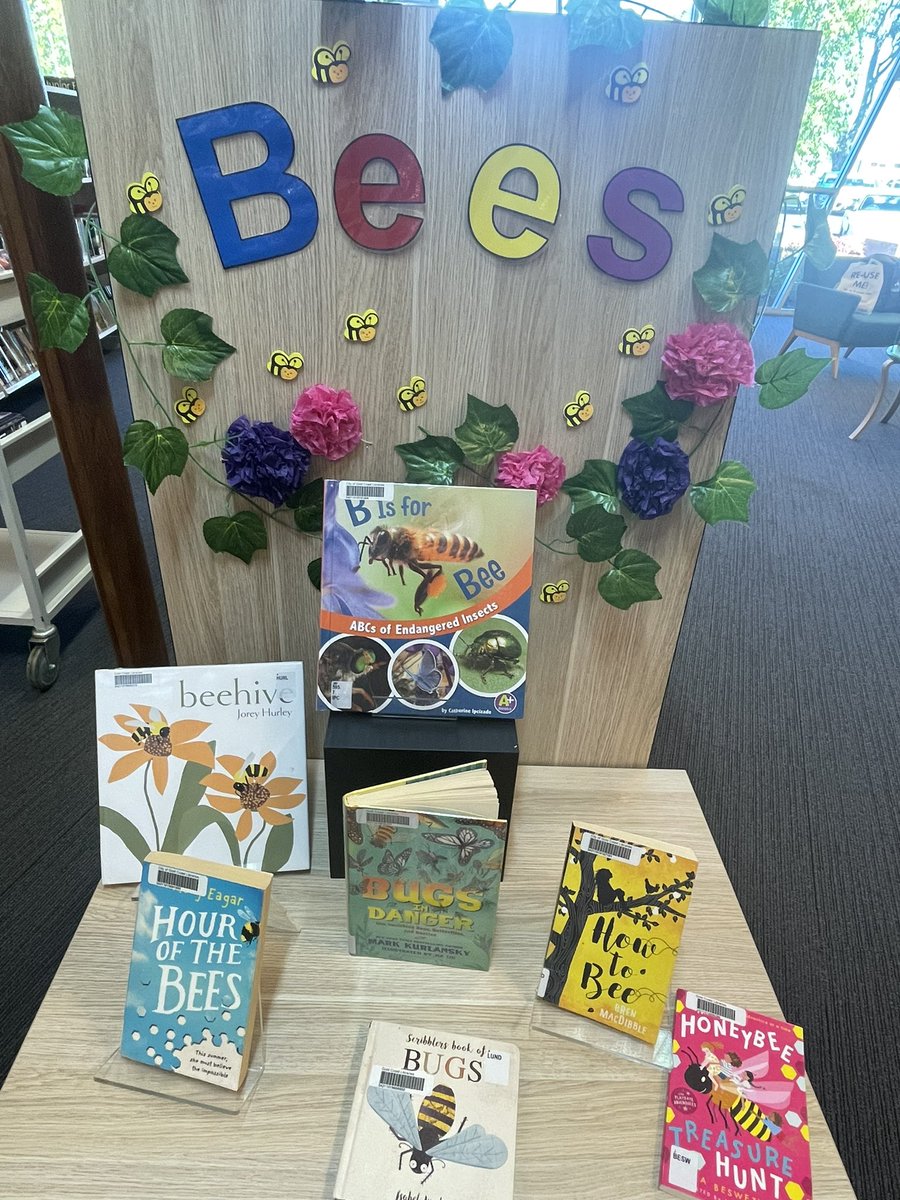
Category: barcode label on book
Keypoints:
(133, 680)
(384, 816)
(400, 1081)
(342, 693)
(715, 1008)
(594, 843)
(365, 491)
(181, 881)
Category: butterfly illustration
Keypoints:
(429, 860)
(465, 841)
(427, 676)
(359, 862)
(393, 864)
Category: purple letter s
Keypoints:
(636, 224)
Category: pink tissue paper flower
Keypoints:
(706, 363)
(326, 422)
(537, 469)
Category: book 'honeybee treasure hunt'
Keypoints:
(615, 934)
(425, 599)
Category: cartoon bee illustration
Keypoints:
(725, 209)
(414, 395)
(555, 593)
(383, 836)
(361, 327)
(394, 864)
(146, 196)
(284, 366)
(731, 1087)
(579, 410)
(330, 65)
(636, 342)
(625, 86)
(420, 550)
(154, 737)
(250, 930)
(190, 406)
(465, 842)
(425, 1135)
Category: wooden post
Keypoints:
(41, 236)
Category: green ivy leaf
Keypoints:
(192, 351)
(474, 44)
(597, 531)
(631, 580)
(156, 452)
(787, 377)
(819, 246)
(308, 505)
(431, 459)
(734, 271)
(726, 496)
(603, 23)
(594, 484)
(314, 573)
(654, 414)
(240, 534)
(749, 13)
(62, 319)
(487, 431)
(52, 148)
(144, 260)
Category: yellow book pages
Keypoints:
(615, 933)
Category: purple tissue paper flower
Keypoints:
(652, 478)
(262, 460)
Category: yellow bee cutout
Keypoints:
(725, 209)
(190, 406)
(330, 65)
(636, 342)
(361, 328)
(284, 366)
(555, 593)
(146, 196)
(625, 86)
(579, 411)
(413, 395)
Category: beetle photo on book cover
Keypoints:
(425, 1135)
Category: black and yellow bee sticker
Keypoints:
(412, 395)
(579, 411)
(361, 327)
(555, 593)
(727, 208)
(190, 406)
(627, 83)
(146, 196)
(636, 342)
(329, 64)
(284, 366)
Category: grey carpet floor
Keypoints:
(781, 705)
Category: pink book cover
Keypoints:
(735, 1124)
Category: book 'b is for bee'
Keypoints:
(616, 930)
(433, 1118)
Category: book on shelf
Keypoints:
(425, 599)
(193, 986)
(736, 1117)
(210, 760)
(433, 1117)
(616, 929)
(10, 422)
(423, 863)
(17, 350)
(104, 313)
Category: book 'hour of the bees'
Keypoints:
(433, 1118)
(424, 858)
(615, 933)
(193, 987)
(736, 1119)
(210, 760)
(425, 599)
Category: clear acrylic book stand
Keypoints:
(561, 1023)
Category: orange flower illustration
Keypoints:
(152, 741)
(251, 787)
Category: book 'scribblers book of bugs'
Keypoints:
(425, 599)
(433, 1117)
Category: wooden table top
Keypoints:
(590, 1123)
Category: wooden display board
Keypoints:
(721, 107)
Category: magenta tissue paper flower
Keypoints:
(706, 363)
(536, 469)
(326, 422)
